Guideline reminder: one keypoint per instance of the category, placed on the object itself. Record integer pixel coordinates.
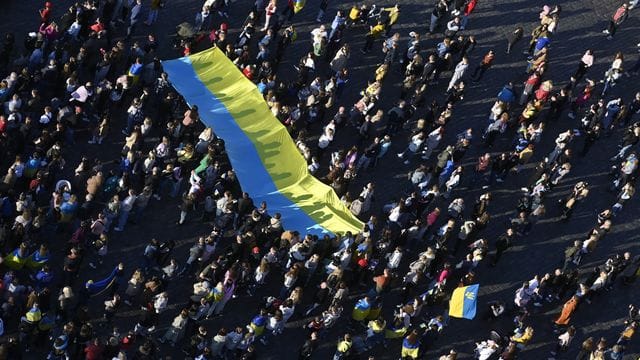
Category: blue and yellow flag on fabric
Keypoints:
(463, 302)
(264, 157)
(96, 288)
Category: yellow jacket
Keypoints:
(393, 14)
(354, 13)
(376, 30)
(523, 339)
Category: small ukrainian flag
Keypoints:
(463, 302)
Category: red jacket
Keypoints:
(45, 14)
(620, 15)
(93, 352)
(470, 6)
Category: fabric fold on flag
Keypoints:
(266, 161)
(96, 288)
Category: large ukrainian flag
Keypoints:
(267, 163)
(463, 302)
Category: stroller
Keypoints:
(187, 37)
(492, 347)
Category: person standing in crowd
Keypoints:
(88, 69)
(135, 17)
(375, 31)
(504, 242)
(484, 65)
(617, 19)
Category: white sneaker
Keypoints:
(118, 229)
(605, 31)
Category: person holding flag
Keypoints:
(293, 7)
(375, 332)
(464, 301)
(95, 288)
(39, 258)
(259, 322)
(361, 309)
(18, 258)
(410, 346)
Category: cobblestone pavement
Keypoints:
(539, 252)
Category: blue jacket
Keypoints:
(136, 13)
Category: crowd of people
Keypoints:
(93, 76)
